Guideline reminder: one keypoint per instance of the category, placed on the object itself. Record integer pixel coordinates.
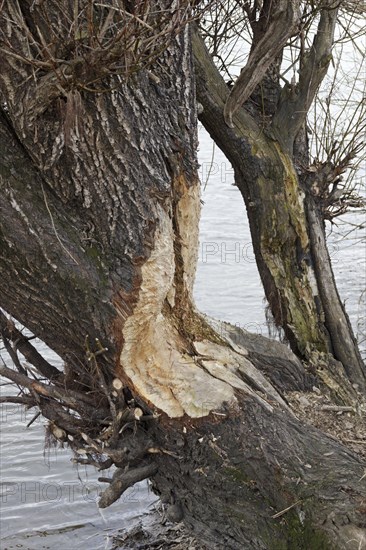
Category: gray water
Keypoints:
(46, 501)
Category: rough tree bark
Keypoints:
(99, 222)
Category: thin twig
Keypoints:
(282, 512)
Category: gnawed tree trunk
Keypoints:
(99, 224)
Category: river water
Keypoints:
(46, 501)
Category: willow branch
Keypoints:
(284, 20)
(24, 400)
(82, 403)
(13, 355)
(212, 94)
(296, 101)
(22, 344)
(55, 412)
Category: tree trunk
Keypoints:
(287, 232)
(99, 226)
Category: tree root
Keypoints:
(122, 480)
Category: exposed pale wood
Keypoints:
(337, 408)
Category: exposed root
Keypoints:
(122, 480)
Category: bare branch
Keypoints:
(82, 403)
(283, 23)
(354, 6)
(22, 344)
(296, 100)
(212, 93)
(20, 400)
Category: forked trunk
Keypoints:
(288, 235)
